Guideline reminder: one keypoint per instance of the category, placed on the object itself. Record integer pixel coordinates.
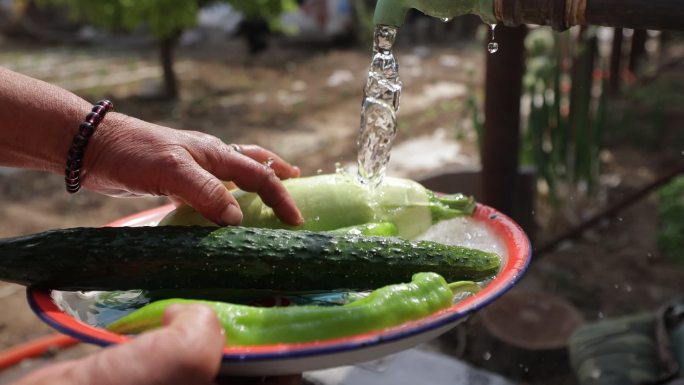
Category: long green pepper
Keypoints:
(388, 306)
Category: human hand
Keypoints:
(130, 157)
(187, 351)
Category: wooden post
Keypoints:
(563, 14)
(638, 14)
(501, 136)
(638, 50)
(616, 62)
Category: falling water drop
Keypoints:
(445, 19)
(493, 46)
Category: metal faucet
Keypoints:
(393, 12)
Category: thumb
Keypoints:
(186, 351)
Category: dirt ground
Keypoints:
(304, 104)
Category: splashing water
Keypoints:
(379, 109)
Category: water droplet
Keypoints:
(493, 47)
(616, 286)
(628, 288)
(487, 356)
(600, 315)
(595, 374)
(445, 19)
(269, 162)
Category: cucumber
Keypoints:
(179, 257)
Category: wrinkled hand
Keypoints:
(185, 352)
(130, 157)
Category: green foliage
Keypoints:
(267, 9)
(364, 16)
(165, 18)
(646, 115)
(564, 132)
(671, 212)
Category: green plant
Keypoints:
(567, 105)
(364, 17)
(671, 212)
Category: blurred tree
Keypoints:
(166, 20)
(260, 18)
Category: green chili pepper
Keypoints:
(245, 325)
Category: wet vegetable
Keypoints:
(389, 306)
(179, 257)
(334, 201)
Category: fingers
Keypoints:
(252, 176)
(207, 194)
(187, 351)
(283, 169)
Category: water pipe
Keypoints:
(559, 14)
(393, 12)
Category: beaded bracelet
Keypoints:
(72, 174)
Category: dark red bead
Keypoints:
(73, 189)
(86, 129)
(72, 181)
(76, 153)
(101, 110)
(80, 140)
(72, 174)
(106, 104)
(73, 164)
(93, 118)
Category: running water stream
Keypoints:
(379, 109)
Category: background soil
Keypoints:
(303, 103)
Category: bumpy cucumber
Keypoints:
(232, 257)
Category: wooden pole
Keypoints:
(563, 14)
(638, 50)
(638, 14)
(501, 136)
(616, 62)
